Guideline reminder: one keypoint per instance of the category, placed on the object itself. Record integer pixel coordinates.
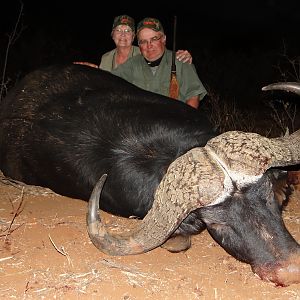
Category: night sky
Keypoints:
(88, 24)
(229, 40)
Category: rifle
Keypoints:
(174, 88)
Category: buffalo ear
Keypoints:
(281, 188)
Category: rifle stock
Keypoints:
(174, 87)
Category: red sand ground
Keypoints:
(45, 253)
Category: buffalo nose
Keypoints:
(291, 272)
(281, 273)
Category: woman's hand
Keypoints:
(184, 56)
(85, 63)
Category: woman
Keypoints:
(123, 34)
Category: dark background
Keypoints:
(237, 46)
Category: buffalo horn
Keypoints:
(284, 86)
(251, 154)
(185, 187)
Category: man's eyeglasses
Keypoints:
(153, 40)
(125, 31)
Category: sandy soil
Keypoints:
(45, 253)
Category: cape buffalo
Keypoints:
(63, 127)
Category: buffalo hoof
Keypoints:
(177, 243)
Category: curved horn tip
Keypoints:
(293, 87)
(100, 237)
(93, 205)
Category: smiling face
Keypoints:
(123, 36)
(152, 43)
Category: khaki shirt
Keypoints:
(108, 59)
(137, 71)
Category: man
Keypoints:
(151, 70)
(123, 34)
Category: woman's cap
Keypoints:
(124, 20)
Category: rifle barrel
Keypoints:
(174, 44)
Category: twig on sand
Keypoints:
(9, 230)
(61, 251)
(5, 258)
(18, 210)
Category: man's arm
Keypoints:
(191, 88)
(193, 101)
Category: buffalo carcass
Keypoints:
(64, 127)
